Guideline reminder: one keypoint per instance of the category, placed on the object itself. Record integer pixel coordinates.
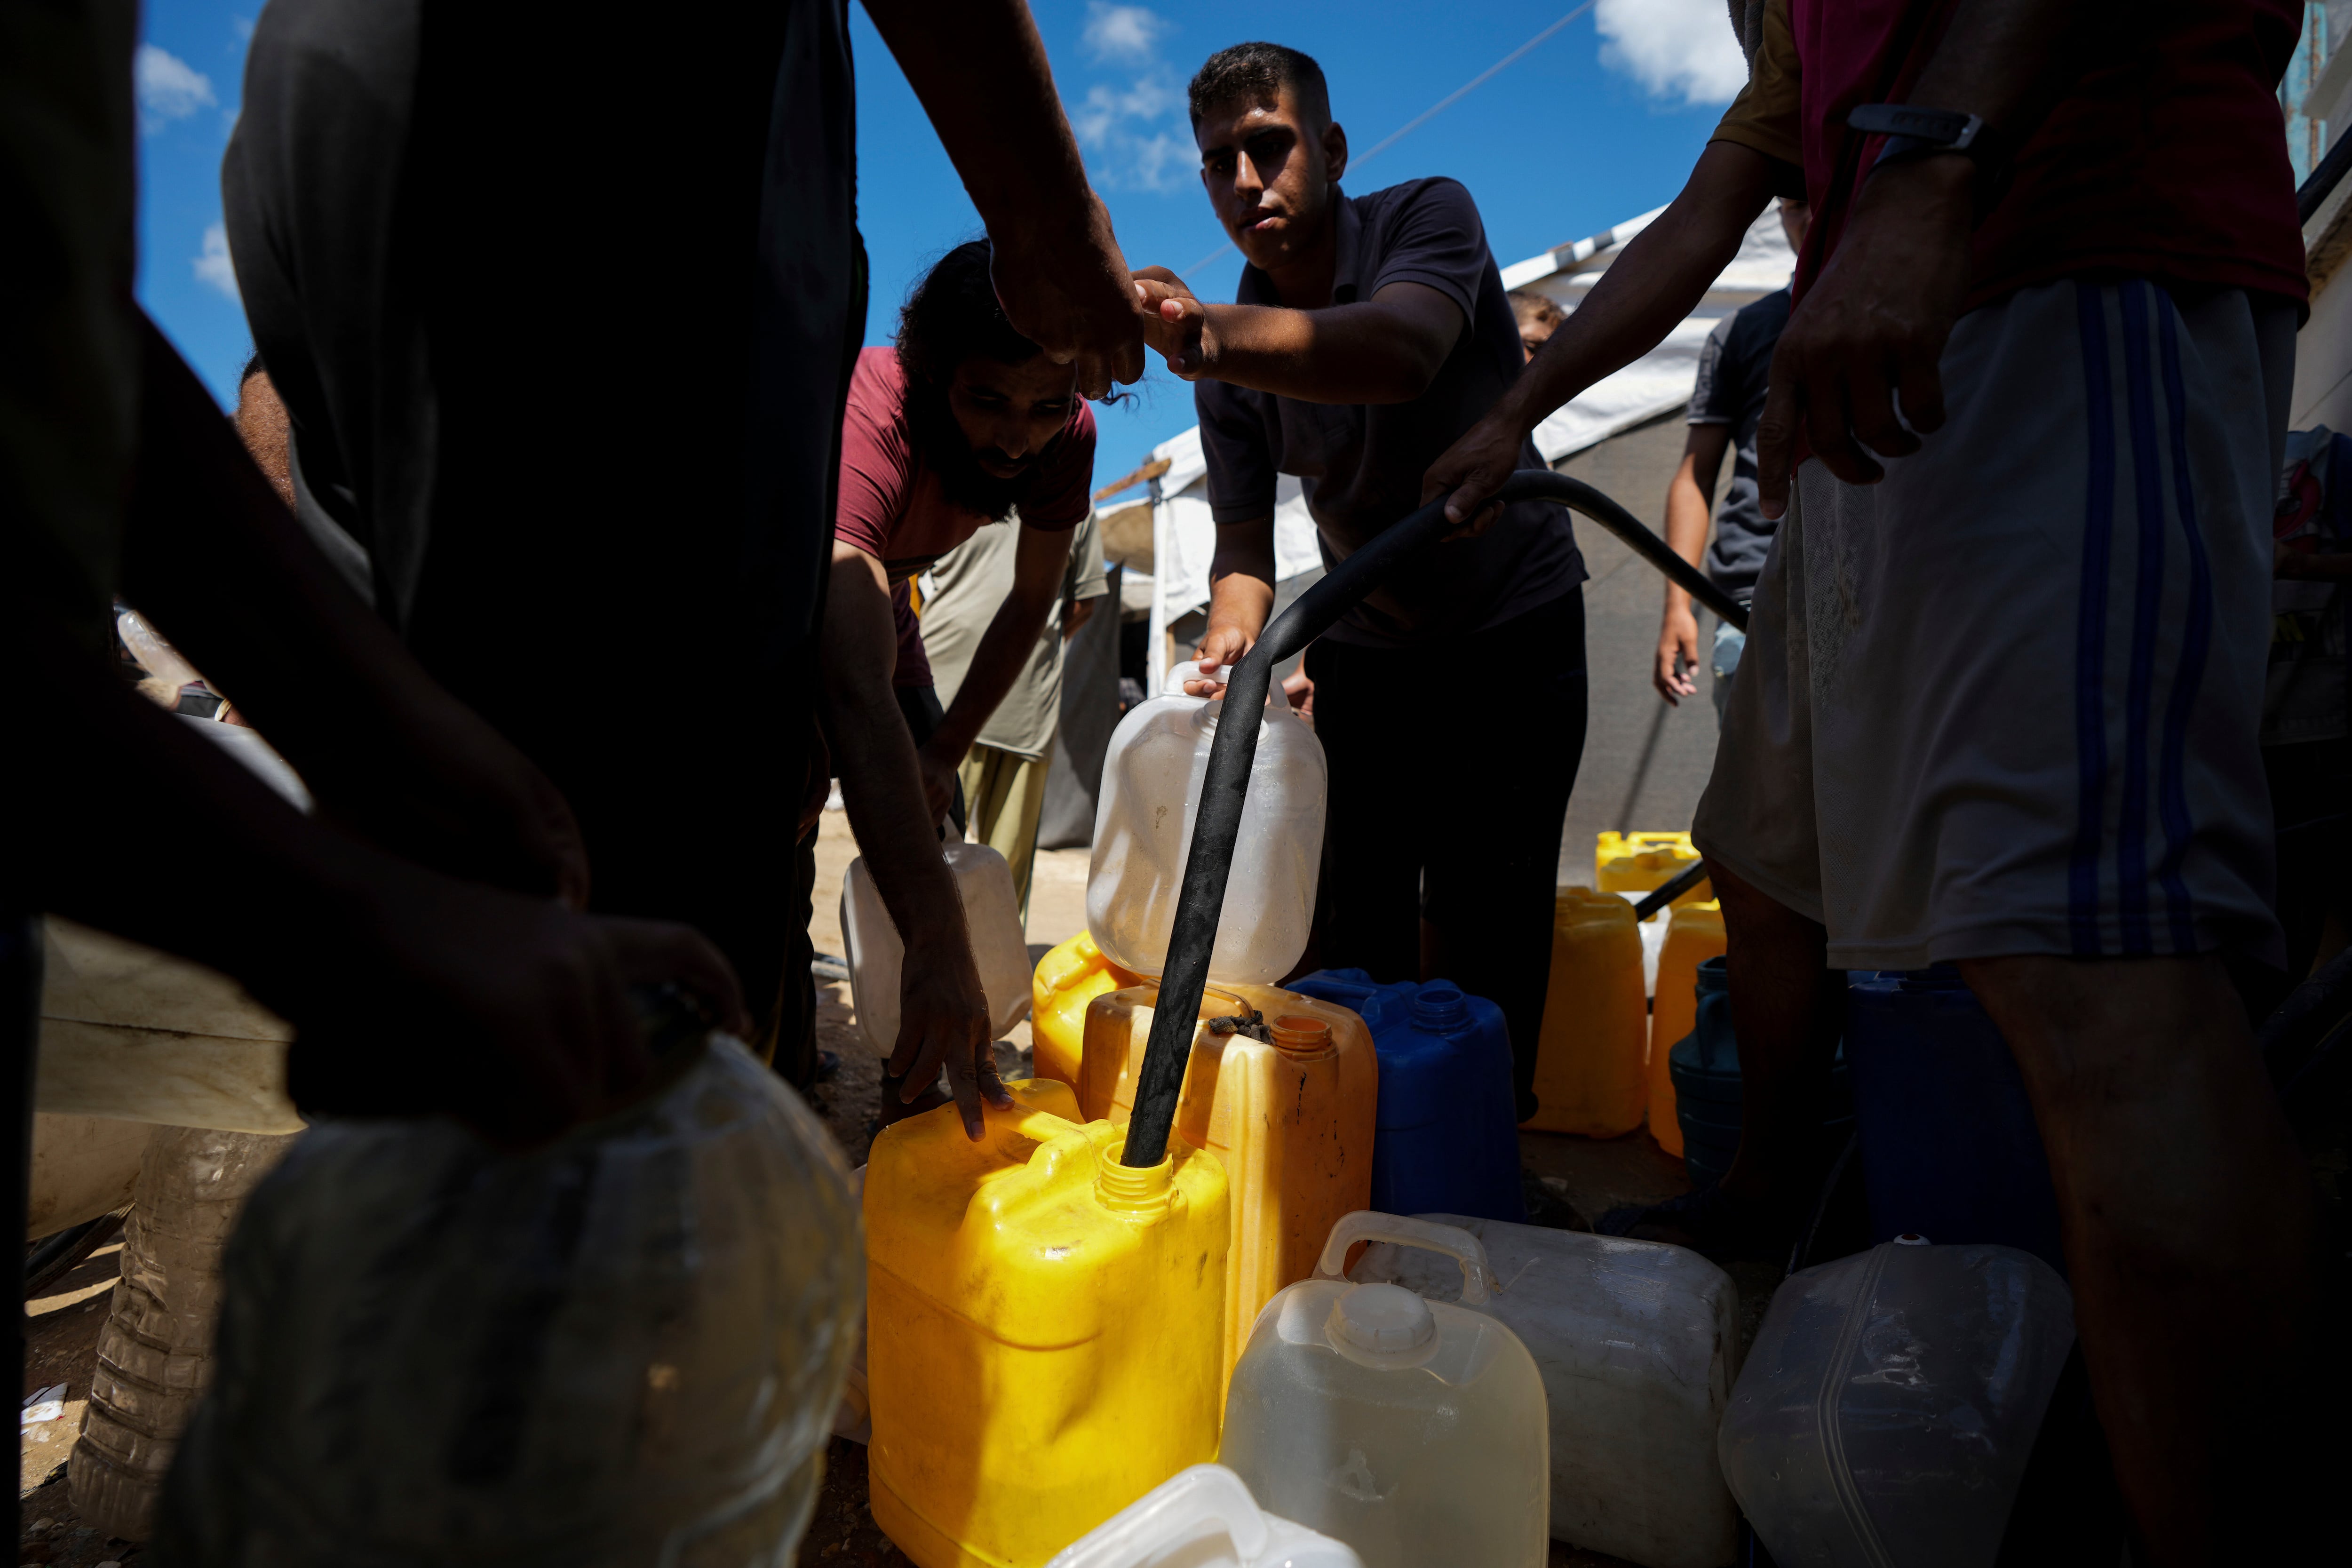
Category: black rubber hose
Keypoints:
(1202, 900)
(1667, 892)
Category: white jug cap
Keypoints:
(1190, 669)
(1384, 1321)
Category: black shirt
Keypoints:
(1733, 371)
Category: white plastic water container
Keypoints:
(1152, 774)
(1202, 1518)
(1637, 1343)
(1891, 1401)
(992, 916)
(1414, 1430)
(619, 1347)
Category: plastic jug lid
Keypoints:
(1190, 669)
(1384, 1320)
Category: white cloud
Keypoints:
(1130, 133)
(169, 88)
(212, 266)
(1679, 50)
(1128, 33)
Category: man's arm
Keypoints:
(213, 559)
(1688, 504)
(1660, 279)
(1858, 359)
(979, 70)
(1387, 349)
(942, 1011)
(1039, 556)
(1241, 597)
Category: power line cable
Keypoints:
(1426, 115)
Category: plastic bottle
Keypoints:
(1143, 833)
(155, 1353)
(1949, 1147)
(1589, 1068)
(1636, 1343)
(1045, 1329)
(1205, 1518)
(992, 914)
(1447, 1138)
(1067, 978)
(1694, 935)
(1890, 1402)
(1704, 1065)
(1414, 1430)
(625, 1346)
(1291, 1120)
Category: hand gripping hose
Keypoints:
(1202, 900)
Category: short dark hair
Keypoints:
(1259, 71)
(953, 315)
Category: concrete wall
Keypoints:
(1644, 763)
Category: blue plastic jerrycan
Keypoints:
(1704, 1066)
(1949, 1149)
(1448, 1138)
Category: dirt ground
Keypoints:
(61, 1347)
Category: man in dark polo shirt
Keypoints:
(1367, 333)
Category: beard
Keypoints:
(939, 442)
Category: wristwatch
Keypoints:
(1912, 131)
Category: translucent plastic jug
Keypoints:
(1143, 832)
(1290, 1119)
(1448, 1138)
(1637, 1343)
(1067, 978)
(1694, 935)
(1046, 1331)
(1890, 1402)
(623, 1347)
(1640, 862)
(992, 914)
(1949, 1147)
(1414, 1430)
(1205, 1518)
(1588, 1068)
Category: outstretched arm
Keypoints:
(979, 70)
(1386, 349)
(1660, 279)
(1040, 557)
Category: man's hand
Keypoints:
(1858, 362)
(1175, 323)
(1222, 646)
(1299, 692)
(944, 1023)
(1677, 653)
(511, 1014)
(1474, 469)
(1067, 291)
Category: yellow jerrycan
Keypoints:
(1067, 978)
(1637, 862)
(1694, 935)
(1291, 1120)
(1589, 1058)
(1044, 1328)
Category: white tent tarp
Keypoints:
(1184, 536)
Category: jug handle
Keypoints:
(1205, 1494)
(1366, 1224)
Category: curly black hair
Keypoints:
(1257, 71)
(952, 316)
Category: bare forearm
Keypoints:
(1686, 517)
(1665, 271)
(996, 663)
(1241, 579)
(1360, 354)
(979, 70)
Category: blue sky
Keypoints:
(1600, 121)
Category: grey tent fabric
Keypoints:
(1089, 714)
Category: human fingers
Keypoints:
(1877, 425)
(1920, 383)
(1776, 439)
(1469, 472)
(1828, 425)
(653, 951)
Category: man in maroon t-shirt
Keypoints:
(2000, 698)
(963, 422)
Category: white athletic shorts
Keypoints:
(2006, 700)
